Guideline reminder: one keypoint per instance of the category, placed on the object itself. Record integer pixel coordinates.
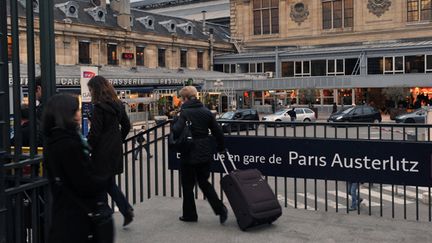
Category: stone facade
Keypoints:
(68, 36)
(390, 24)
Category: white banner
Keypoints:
(85, 75)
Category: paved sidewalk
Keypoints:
(157, 221)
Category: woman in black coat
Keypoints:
(74, 188)
(106, 139)
(195, 164)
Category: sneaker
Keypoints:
(352, 208)
(128, 217)
(224, 215)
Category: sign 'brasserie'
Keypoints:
(75, 81)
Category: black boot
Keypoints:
(128, 217)
(223, 216)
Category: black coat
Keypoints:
(292, 113)
(106, 137)
(67, 160)
(25, 131)
(202, 120)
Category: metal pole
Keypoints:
(277, 64)
(47, 47)
(4, 75)
(31, 77)
(4, 116)
(211, 39)
(16, 79)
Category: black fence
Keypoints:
(147, 174)
(24, 197)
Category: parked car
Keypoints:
(361, 113)
(417, 116)
(238, 115)
(303, 115)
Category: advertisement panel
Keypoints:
(85, 75)
(392, 162)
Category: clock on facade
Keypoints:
(128, 56)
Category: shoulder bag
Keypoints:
(184, 142)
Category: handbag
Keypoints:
(184, 142)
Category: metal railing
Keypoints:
(24, 198)
(147, 176)
(27, 200)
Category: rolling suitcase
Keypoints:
(250, 196)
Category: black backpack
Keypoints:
(184, 142)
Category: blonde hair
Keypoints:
(188, 92)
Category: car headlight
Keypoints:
(339, 117)
(223, 124)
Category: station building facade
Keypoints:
(143, 54)
(342, 51)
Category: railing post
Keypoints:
(4, 115)
(47, 47)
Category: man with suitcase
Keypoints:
(195, 163)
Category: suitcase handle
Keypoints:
(229, 158)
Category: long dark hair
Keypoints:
(102, 90)
(59, 112)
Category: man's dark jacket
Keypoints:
(106, 137)
(202, 120)
(67, 159)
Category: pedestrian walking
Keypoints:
(353, 188)
(293, 116)
(140, 144)
(25, 130)
(106, 139)
(334, 108)
(75, 189)
(195, 164)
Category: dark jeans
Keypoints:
(190, 175)
(118, 197)
(138, 151)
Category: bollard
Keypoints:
(428, 120)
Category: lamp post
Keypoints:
(219, 84)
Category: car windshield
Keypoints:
(420, 111)
(227, 115)
(281, 112)
(348, 110)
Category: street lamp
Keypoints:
(219, 84)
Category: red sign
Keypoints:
(128, 56)
(88, 74)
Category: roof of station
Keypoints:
(191, 10)
(287, 51)
(113, 72)
(154, 4)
